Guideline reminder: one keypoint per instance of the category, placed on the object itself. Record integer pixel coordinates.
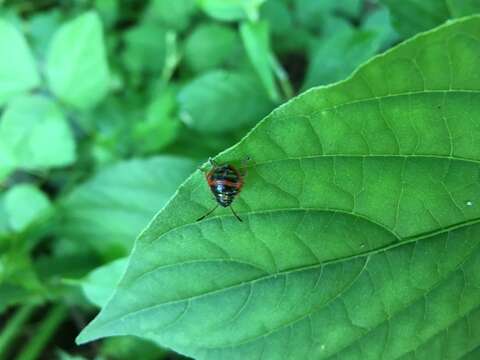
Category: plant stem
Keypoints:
(13, 328)
(172, 57)
(282, 77)
(43, 333)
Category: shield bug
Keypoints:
(225, 182)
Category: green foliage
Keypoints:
(359, 225)
(311, 13)
(145, 48)
(161, 125)
(128, 347)
(25, 204)
(413, 16)
(172, 14)
(109, 210)
(232, 101)
(359, 205)
(231, 10)
(99, 285)
(335, 57)
(34, 134)
(77, 68)
(210, 46)
(18, 72)
(255, 37)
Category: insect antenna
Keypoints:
(208, 213)
(234, 213)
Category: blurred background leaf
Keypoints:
(107, 212)
(77, 68)
(18, 72)
(25, 204)
(231, 10)
(34, 134)
(233, 101)
(211, 46)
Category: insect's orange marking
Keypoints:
(233, 184)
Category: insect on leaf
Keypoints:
(360, 230)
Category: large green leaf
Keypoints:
(77, 68)
(108, 211)
(360, 236)
(17, 69)
(413, 16)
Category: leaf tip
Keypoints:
(90, 333)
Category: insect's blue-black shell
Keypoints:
(225, 182)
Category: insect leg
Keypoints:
(234, 213)
(208, 213)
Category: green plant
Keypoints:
(360, 220)
(360, 204)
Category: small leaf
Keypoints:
(210, 46)
(312, 13)
(233, 100)
(255, 36)
(109, 210)
(24, 205)
(333, 58)
(41, 27)
(35, 135)
(145, 48)
(287, 36)
(379, 22)
(171, 14)
(360, 235)
(77, 68)
(231, 10)
(161, 125)
(17, 70)
(98, 286)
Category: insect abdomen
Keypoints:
(225, 183)
(224, 193)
